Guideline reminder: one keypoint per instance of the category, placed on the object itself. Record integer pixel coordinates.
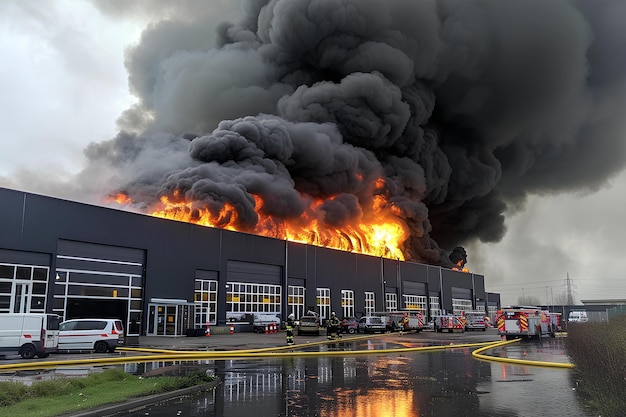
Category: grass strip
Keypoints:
(599, 350)
(70, 395)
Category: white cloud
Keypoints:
(63, 82)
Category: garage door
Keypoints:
(99, 281)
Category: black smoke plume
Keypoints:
(464, 107)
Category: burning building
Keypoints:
(328, 154)
(165, 277)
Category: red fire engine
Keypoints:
(395, 320)
(527, 321)
(450, 323)
(474, 320)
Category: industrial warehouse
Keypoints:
(165, 277)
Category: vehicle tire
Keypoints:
(28, 352)
(351, 330)
(101, 346)
(43, 354)
(111, 350)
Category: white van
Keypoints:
(29, 334)
(372, 324)
(99, 335)
(578, 316)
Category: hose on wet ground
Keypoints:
(478, 354)
(152, 355)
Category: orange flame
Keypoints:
(379, 232)
(460, 267)
(118, 198)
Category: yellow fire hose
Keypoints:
(478, 355)
(153, 355)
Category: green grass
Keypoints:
(598, 351)
(68, 395)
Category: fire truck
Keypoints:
(449, 322)
(527, 321)
(393, 320)
(474, 320)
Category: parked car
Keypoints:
(309, 324)
(99, 335)
(349, 325)
(372, 324)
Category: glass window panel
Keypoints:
(59, 289)
(80, 277)
(6, 271)
(5, 301)
(40, 288)
(37, 303)
(23, 272)
(58, 303)
(96, 291)
(5, 287)
(40, 274)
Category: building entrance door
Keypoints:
(21, 297)
(169, 318)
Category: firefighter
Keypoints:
(290, 326)
(333, 327)
(404, 324)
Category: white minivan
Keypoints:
(372, 324)
(99, 335)
(29, 334)
(578, 316)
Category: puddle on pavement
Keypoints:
(398, 385)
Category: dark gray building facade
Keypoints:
(164, 277)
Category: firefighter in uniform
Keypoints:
(333, 327)
(290, 326)
(404, 324)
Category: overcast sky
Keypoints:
(64, 85)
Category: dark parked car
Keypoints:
(349, 325)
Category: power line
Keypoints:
(525, 283)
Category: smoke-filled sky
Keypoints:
(495, 125)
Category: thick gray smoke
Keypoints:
(463, 107)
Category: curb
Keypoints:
(142, 402)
